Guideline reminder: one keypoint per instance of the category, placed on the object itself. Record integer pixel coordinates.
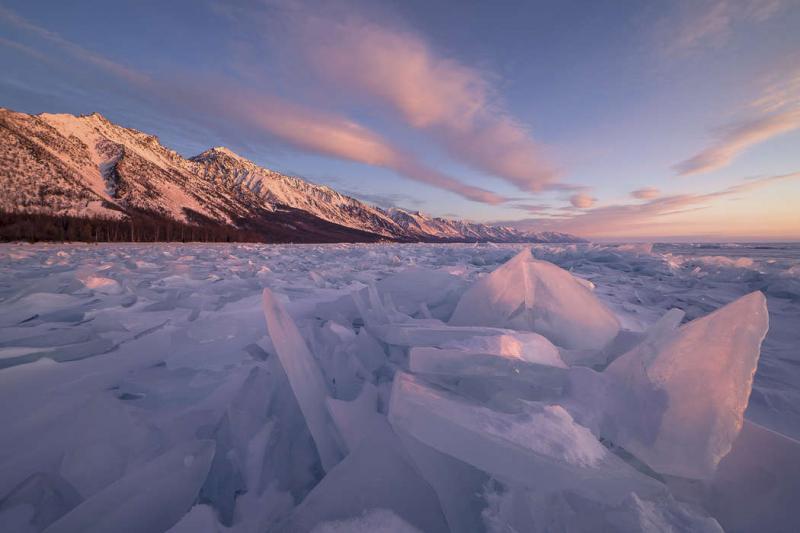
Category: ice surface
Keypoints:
(101, 284)
(532, 295)
(200, 519)
(543, 512)
(458, 485)
(372, 521)
(37, 502)
(105, 382)
(376, 475)
(150, 499)
(757, 483)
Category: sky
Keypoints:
(614, 120)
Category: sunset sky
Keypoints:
(622, 120)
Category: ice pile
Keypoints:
(246, 388)
(483, 411)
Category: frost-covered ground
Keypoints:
(141, 387)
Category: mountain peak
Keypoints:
(216, 151)
(95, 116)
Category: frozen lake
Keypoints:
(113, 357)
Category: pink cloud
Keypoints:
(646, 193)
(628, 219)
(582, 201)
(533, 208)
(781, 91)
(303, 128)
(737, 138)
(336, 136)
(451, 101)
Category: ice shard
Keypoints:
(359, 418)
(305, 378)
(677, 400)
(426, 332)
(521, 346)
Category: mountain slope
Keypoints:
(234, 173)
(86, 166)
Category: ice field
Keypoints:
(337, 388)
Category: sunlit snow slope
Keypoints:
(86, 166)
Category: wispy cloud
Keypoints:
(452, 102)
(646, 193)
(533, 208)
(24, 49)
(775, 112)
(628, 219)
(300, 127)
(737, 138)
(385, 200)
(781, 91)
(709, 23)
(324, 133)
(76, 51)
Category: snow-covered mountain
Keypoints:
(86, 166)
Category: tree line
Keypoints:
(33, 227)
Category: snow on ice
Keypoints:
(497, 388)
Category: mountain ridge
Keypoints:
(89, 167)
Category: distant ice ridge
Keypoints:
(278, 388)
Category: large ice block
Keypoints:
(426, 332)
(677, 400)
(521, 346)
(538, 442)
(531, 295)
(438, 361)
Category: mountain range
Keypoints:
(87, 167)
